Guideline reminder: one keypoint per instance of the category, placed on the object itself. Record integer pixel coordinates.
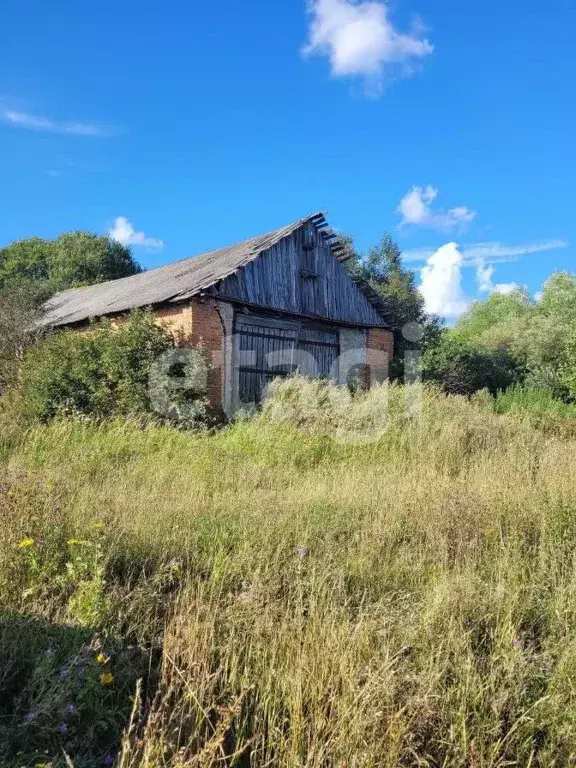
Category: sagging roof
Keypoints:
(178, 281)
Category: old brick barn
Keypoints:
(268, 306)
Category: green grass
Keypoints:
(539, 407)
(289, 592)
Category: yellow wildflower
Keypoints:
(101, 659)
(71, 542)
(26, 543)
(98, 526)
(106, 678)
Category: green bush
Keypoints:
(463, 369)
(568, 369)
(19, 330)
(103, 372)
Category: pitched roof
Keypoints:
(172, 283)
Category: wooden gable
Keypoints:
(301, 275)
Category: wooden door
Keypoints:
(267, 348)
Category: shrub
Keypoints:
(102, 372)
(568, 369)
(18, 331)
(463, 369)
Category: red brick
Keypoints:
(208, 334)
(379, 353)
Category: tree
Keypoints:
(549, 343)
(533, 342)
(82, 258)
(384, 272)
(72, 260)
(19, 329)
(498, 321)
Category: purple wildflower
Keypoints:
(517, 644)
(48, 652)
(31, 716)
(63, 728)
(109, 759)
(64, 673)
(70, 709)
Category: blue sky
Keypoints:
(203, 124)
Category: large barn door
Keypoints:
(267, 348)
(322, 348)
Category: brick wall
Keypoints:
(176, 320)
(207, 332)
(379, 353)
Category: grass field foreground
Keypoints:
(290, 592)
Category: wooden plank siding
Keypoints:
(300, 275)
(269, 348)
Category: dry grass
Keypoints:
(404, 601)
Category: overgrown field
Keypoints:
(294, 590)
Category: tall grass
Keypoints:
(537, 406)
(309, 587)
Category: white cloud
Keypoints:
(441, 282)
(38, 123)
(441, 276)
(124, 233)
(506, 287)
(484, 277)
(360, 40)
(489, 253)
(416, 208)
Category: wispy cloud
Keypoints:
(489, 253)
(360, 40)
(416, 208)
(123, 231)
(484, 275)
(46, 124)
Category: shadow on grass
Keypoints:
(65, 690)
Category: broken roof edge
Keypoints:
(181, 280)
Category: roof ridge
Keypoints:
(286, 227)
(293, 224)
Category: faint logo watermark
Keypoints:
(178, 384)
(179, 380)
